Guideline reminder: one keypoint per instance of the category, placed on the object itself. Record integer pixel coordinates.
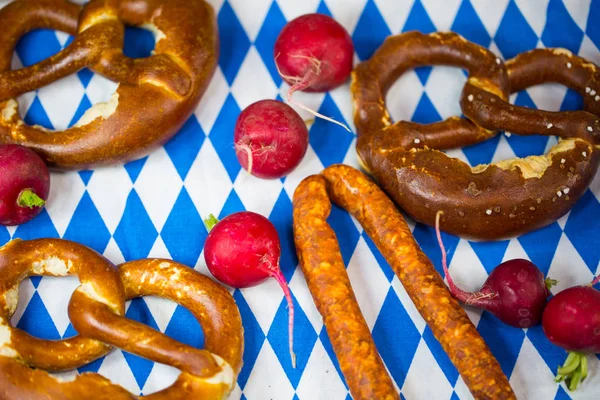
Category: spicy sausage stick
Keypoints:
(322, 264)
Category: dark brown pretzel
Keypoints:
(155, 96)
(96, 310)
(486, 202)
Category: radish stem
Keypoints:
(550, 283)
(574, 370)
(210, 222)
(28, 198)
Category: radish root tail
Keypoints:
(246, 148)
(574, 370)
(476, 298)
(288, 296)
(300, 84)
(596, 281)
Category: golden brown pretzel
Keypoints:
(155, 97)
(22, 259)
(486, 202)
(207, 374)
(327, 279)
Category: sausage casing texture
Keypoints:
(317, 249)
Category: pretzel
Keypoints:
(322, 264)
(486, 202)
(155, 96)
(206, 374)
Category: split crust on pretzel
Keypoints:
(155, 96)
(486, 202)
(96, 311)
(322, 264)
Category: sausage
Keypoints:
(321, 263)
(487, 202)
(155, 96)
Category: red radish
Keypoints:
(571, 320)
(243, 250)
(24, 184)
(515, 291)
(314, 53)
(270, 139)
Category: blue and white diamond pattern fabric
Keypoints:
(154, 207)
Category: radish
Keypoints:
(314, 53)
(24, 184)
(270, 139)
(515, 291)
(571, 320)
(243, 250)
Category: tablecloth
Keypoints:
(154, 207)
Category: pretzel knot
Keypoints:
(96, 311)
(486, 202)
(155, 95)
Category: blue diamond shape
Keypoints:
(468, 24)
(140, 367)
(221, 136)
(440, 356)
(84, 105)
(561, 394)
(92, 367)
(482, 153)
(396, 350)
(281, 217)
(254, 338)
(232, 205)
(490, 253)
(324, 337)
(37, 46)
(265, 41)
(36, 115)
(4, 236)
(541, 245)
(86, 176)
(553, 355)
(184, 328)
(183, 148)
(184, 245)
(418, 20)
(305, 338)
(371, 30)
(572, 101)
(423, 74)
(346, 232)
(454, 396)
(331, 142)
(234, 42)
(323, 9)
(560, 29)
(36, 321)
(514, 34)
(139, 43)
(524, 146)
(504, 341)
(40, 227)
(582, 221)
(136, 233)
(134, 168)
(426, 112)
(427, 239)
(381, 261)
(87, 227)
(85, 76)
(70, 332)
(592, 28)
